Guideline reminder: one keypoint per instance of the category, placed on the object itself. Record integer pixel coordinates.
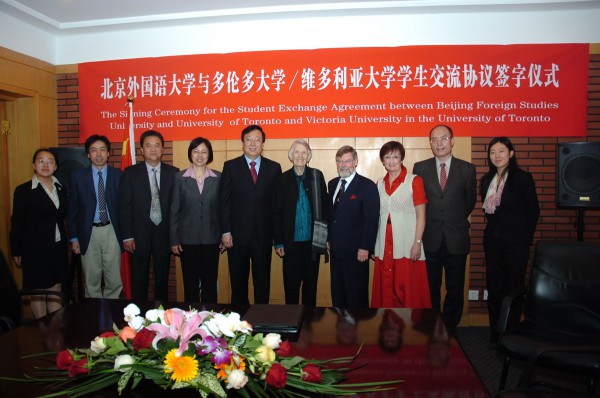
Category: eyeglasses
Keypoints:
(443, 139)
(344, 162)
(249, 140)
(49, 162)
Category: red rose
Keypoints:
(64, 359)
(107, 335)
(78, 368)
(277, 376)
(143, 339)
(311, 373)
(284, 348)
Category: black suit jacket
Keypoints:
(246, 208)
(136, 198)
(82, 204)
(447, 213)
(34, 218)
(194, 217)
(286, 199)
(516, 217)
(354, 225)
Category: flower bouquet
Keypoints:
(212, 353)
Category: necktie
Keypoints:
(340, 193)
(155, 214)
(253, 171)
(443, 176)
(102, 199)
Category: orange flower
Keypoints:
(127, 333)
(225, 369)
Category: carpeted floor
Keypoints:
(488, 363)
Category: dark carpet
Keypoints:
(488, 364)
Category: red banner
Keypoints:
(481, 90)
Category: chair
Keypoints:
(528, 388)
(561, 309)
(11, 298)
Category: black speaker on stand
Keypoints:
(70, 159)
(578, 178)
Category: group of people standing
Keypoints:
(415, 226)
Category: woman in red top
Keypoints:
(400, 278)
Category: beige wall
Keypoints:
(324, 149)
(28, 98)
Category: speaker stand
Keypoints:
(580, 224)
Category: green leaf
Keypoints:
(124, 380)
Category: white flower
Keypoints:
(123, 360)
(272, 340)
(156, 315)
(221, 324)
(130, 311)
(97, 345)
(237, 379)
(136, 323)
(245, 327)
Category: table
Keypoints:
(406, 344)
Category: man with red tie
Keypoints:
(352, 231)
(246, 194)
(451, 190)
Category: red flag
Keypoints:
(127, 159)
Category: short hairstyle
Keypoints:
(251, 128)
(450, 132)
(197, 142)
(391, 147)
(151, 133)
(93, 138)
(303, 143)
(346, 149)
(50, 151)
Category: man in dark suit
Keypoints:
(145, 202)
(93, 220)
(451, 189)
(246, 193)
(352, 231)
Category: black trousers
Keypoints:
(300, 270)
(200, 269)
(239, 271)
(155, 248)
(505, 266)
(443, 263)
(349, 283)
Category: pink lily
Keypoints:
(179, 327)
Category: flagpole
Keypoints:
(131, 130)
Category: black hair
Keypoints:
(50, 151)
(195, 143)
(251, 128)
(151, 133)
(512, 162)
(93, 138)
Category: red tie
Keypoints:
(443, 176)
(253, 171)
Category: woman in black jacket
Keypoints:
(294, 213)
(38, 239)
(511, 210)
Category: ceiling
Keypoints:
(64, 16)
